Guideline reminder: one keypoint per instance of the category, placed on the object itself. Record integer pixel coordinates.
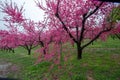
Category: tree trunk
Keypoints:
(13, 51)
(79, 52)
(29, 51)
(42, 45)
(44, 52)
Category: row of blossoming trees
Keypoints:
(71, 21)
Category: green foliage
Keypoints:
(115, 15)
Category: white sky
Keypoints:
(31, 11)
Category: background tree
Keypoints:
(8, 41)
(28, 37)
(15, 20)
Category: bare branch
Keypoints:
(85, 17)
(91, 13)
(63, 24)
(96, 37)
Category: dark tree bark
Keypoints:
(13, 51)
(42, 45)
(79, 52)
(29, 48)
(29, 51)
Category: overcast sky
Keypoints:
(31, 11)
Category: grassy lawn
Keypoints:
(101, 61)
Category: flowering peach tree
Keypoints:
(80, 19)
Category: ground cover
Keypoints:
(101, 61)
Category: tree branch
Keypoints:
(85, 17)
(97, 7)
(77, 32)
(97, 36)
(63, 24)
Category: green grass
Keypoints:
(101, 61)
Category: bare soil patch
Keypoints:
(8, 68)
(89, 75)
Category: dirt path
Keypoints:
(4, 69)
(7, 68)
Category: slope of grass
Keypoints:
(101, 61)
